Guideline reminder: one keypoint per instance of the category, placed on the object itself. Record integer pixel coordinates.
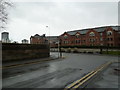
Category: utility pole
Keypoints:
(60, 48)
(101, 50)
(48, 37)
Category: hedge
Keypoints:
(94, 47)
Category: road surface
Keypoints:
(53, 74)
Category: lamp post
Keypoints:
(60, 48)
(49, 34)
(49, 38)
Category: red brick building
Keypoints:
(37, 39)
(99, 36)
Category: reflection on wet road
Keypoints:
(45, 79)
(53, 74)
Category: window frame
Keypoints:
(65, 36)
(91, 34)
(109, 33)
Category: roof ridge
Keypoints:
(92, 28)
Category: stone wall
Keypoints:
(12, 51)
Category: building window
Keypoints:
(109, 33)
(101, 34)
(66, 42)
(77, 35)
(92, 40)
(77, 41)
(101, 39)
(65, 36)
(111, 39)
(111, 44)
(92, 34)
(83, 41)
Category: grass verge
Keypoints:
(111, 52)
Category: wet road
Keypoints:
(109, 78)
(53, 74)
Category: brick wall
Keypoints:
(24, 51)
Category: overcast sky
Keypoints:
(30, 18)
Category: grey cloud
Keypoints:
(64, 16)
(47, 12)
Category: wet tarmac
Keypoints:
(53, 74)
(109, 78)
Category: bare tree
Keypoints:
(4, 6)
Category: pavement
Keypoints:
(54, 74)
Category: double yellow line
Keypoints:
(23, 64)
(27, 63)
(81, 81)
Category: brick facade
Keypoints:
(37, 39)
(100, 36)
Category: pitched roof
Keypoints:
(37, 35)
(98, 29)
(52, 37)
(116, 28)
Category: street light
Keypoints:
(49, 36)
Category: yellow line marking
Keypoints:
(84, 77)
(80, 80)
(84, 80)
(18, 65)
(92, 75)
(88, 76)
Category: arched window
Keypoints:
(92, 34)
(65, 36)
(77, 35)
(109, 33)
